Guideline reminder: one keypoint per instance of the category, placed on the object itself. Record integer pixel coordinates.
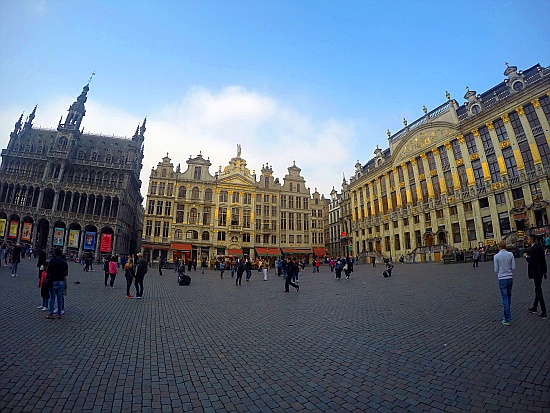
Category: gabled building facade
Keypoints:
(195, 215)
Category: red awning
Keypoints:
(235, 252)
(319, 252)
(261, 251)
(274, 252)
(268, 252)
(155, 247)
(182, 247)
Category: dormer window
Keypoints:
(475, 109)
(518, 86)
(163, 174)
(197, 173)
(95, 156)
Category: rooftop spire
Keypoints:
(143, 128)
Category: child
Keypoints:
(44, 290)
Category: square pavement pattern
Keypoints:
(429, 338)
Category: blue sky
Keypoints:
(318, 82)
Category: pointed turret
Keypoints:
(17, 127)
(143, 129)
(76, 111)
(28, 123)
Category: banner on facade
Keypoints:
(27, 231)
(12, 233)
(58, 235)
(74, 236)
(2, 226)
(105, 242)
(89, 241)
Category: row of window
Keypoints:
(510, 162)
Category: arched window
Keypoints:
(205, 236)
(192, 235)
(195, 193)
(208, 194)
(182, 192)
(177, 234)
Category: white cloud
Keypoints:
(213, 123)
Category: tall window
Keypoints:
(165, 229)
(444, 156)
(159, 207)
(283, 201)
(478, 172)
(510, 162)
(500, 130)
(486, 140)
(291, 202)
(182, 192)
(206, 216)
(246, 218)
(170, 191)
(247, 199)
(208, 194)
(283, 220)
(148, 228)
(197, 173)
(291, 221)
(420, 165)
(494, 169)
(306, 222)
(470, 143)
(162, 188)
(436, 187)
(414, 195)
(235, 197)
(193, 216)
(431, 161)
(157, 229)
(298, 221)
(462, 177)
(457, 152)
(424, 188)
(153, 188)
(151, 207)
(168, 208)
(449, 184)
(222, 216)
(179, 214)
(195, 193)
(223, 196)
(538, 133)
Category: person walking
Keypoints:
(161, 264)
(263, 266)
(475, 256)
(203, 265)
(292, 268)
(15, 259)
(349, 263)
(240, 271)
(248, 269)
(57, 270)
(113, 271)
(339, 267)
(129, 274)
(141, 270)
(389, 267)
(536, 269)
(105, 267)
(373, 261)
(42, 258)
(222, 268)
(44, 290)
(503, 265)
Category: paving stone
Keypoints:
(428, 339)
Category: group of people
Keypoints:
(134, 272)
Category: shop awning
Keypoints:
(155, 247)
(236, 252)
(182, 247)
(268, 252)
(319, 252)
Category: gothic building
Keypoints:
(193, 214)
(461, 175)
(69, 189)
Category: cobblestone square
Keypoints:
(429, 338)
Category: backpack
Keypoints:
(339, 265)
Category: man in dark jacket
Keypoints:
(57, 271)
(536, 269)
(292, 269)
(141, 270)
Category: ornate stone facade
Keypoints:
(63, 187)
(196, 215)
(460, 175)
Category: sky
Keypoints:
(315, 82)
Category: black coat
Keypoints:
(536, 260)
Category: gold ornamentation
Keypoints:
(504, 144)
(422, 177)
(535, 102)
(394, 169)
(413, 161)
(401, 184)
(520, 111)
(423, 156)
(460, 138)
(435, 151)
(433, 172)
(505, 118)
(459, 162)
(448, 145)
(403, 166)
(451, 198)
(490, 125)
(497, 185)
(392, 189)
(475, 132)
(474, 156)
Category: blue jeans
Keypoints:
(506, 291)
(14, 267)
(57, 291)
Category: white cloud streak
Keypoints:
(213, 123)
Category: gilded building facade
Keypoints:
(193, 214)
(69, 189)
(460, 175)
